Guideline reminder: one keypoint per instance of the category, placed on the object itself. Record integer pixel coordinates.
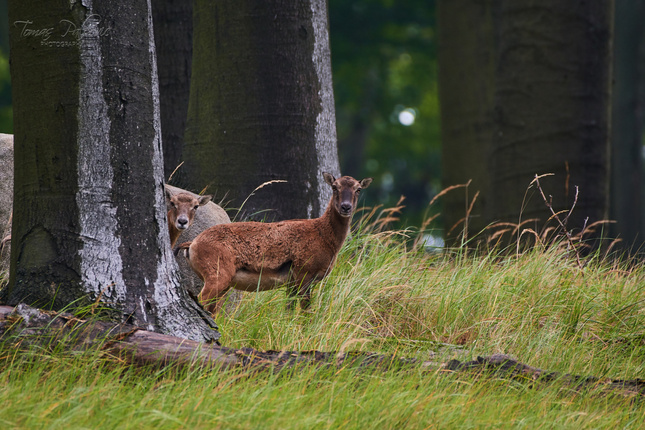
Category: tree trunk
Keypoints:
(173, 28)
(466, 84)
(627, 125)
(552, 107)
(89, 213)
(6, 204)
(261, 106)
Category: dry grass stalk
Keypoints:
(446, 190)
(384, 218)
(264, 184)
(173, 172)
(562, 223)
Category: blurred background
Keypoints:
(385, 63)
(6, 118)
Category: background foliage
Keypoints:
(6, 117)
(384, 61)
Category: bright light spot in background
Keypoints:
(432, 243)
(387, 181)
(407, 116)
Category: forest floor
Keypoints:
(543, 307)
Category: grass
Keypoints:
(539, 307)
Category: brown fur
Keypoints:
(254, 256)
(181, 212)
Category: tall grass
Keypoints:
(541, 307)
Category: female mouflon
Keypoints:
(255, 256)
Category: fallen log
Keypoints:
(25, 326)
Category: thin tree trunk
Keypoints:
(552, 107)
(173, 28)
(89, 211)
(6, 203)
(261, 106)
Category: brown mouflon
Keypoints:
(255, 256)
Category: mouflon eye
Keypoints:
(358, 191)
(196, 207)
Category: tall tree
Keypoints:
(467, 88)
(627, 124)
(536, 101)
(173, 28)
(552, 107)
(261, 105)
(89, 212)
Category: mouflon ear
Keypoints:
(205, 199)
(329, 178)
(366, 182)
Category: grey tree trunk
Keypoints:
(466, 84)
(6, 204)
(552, 107)
(261, 106)
(627, 125)
(173, 28)
(89, 219)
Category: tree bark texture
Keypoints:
(627, 124)
(173, 28)
(25, 326)
(466, 82)
(6, 203)
(261, 106)
(89, 210)
(552, 107)
(525, 90)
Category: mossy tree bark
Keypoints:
(173, 28)
(89, 213)
(466, 84)
(261, 106)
